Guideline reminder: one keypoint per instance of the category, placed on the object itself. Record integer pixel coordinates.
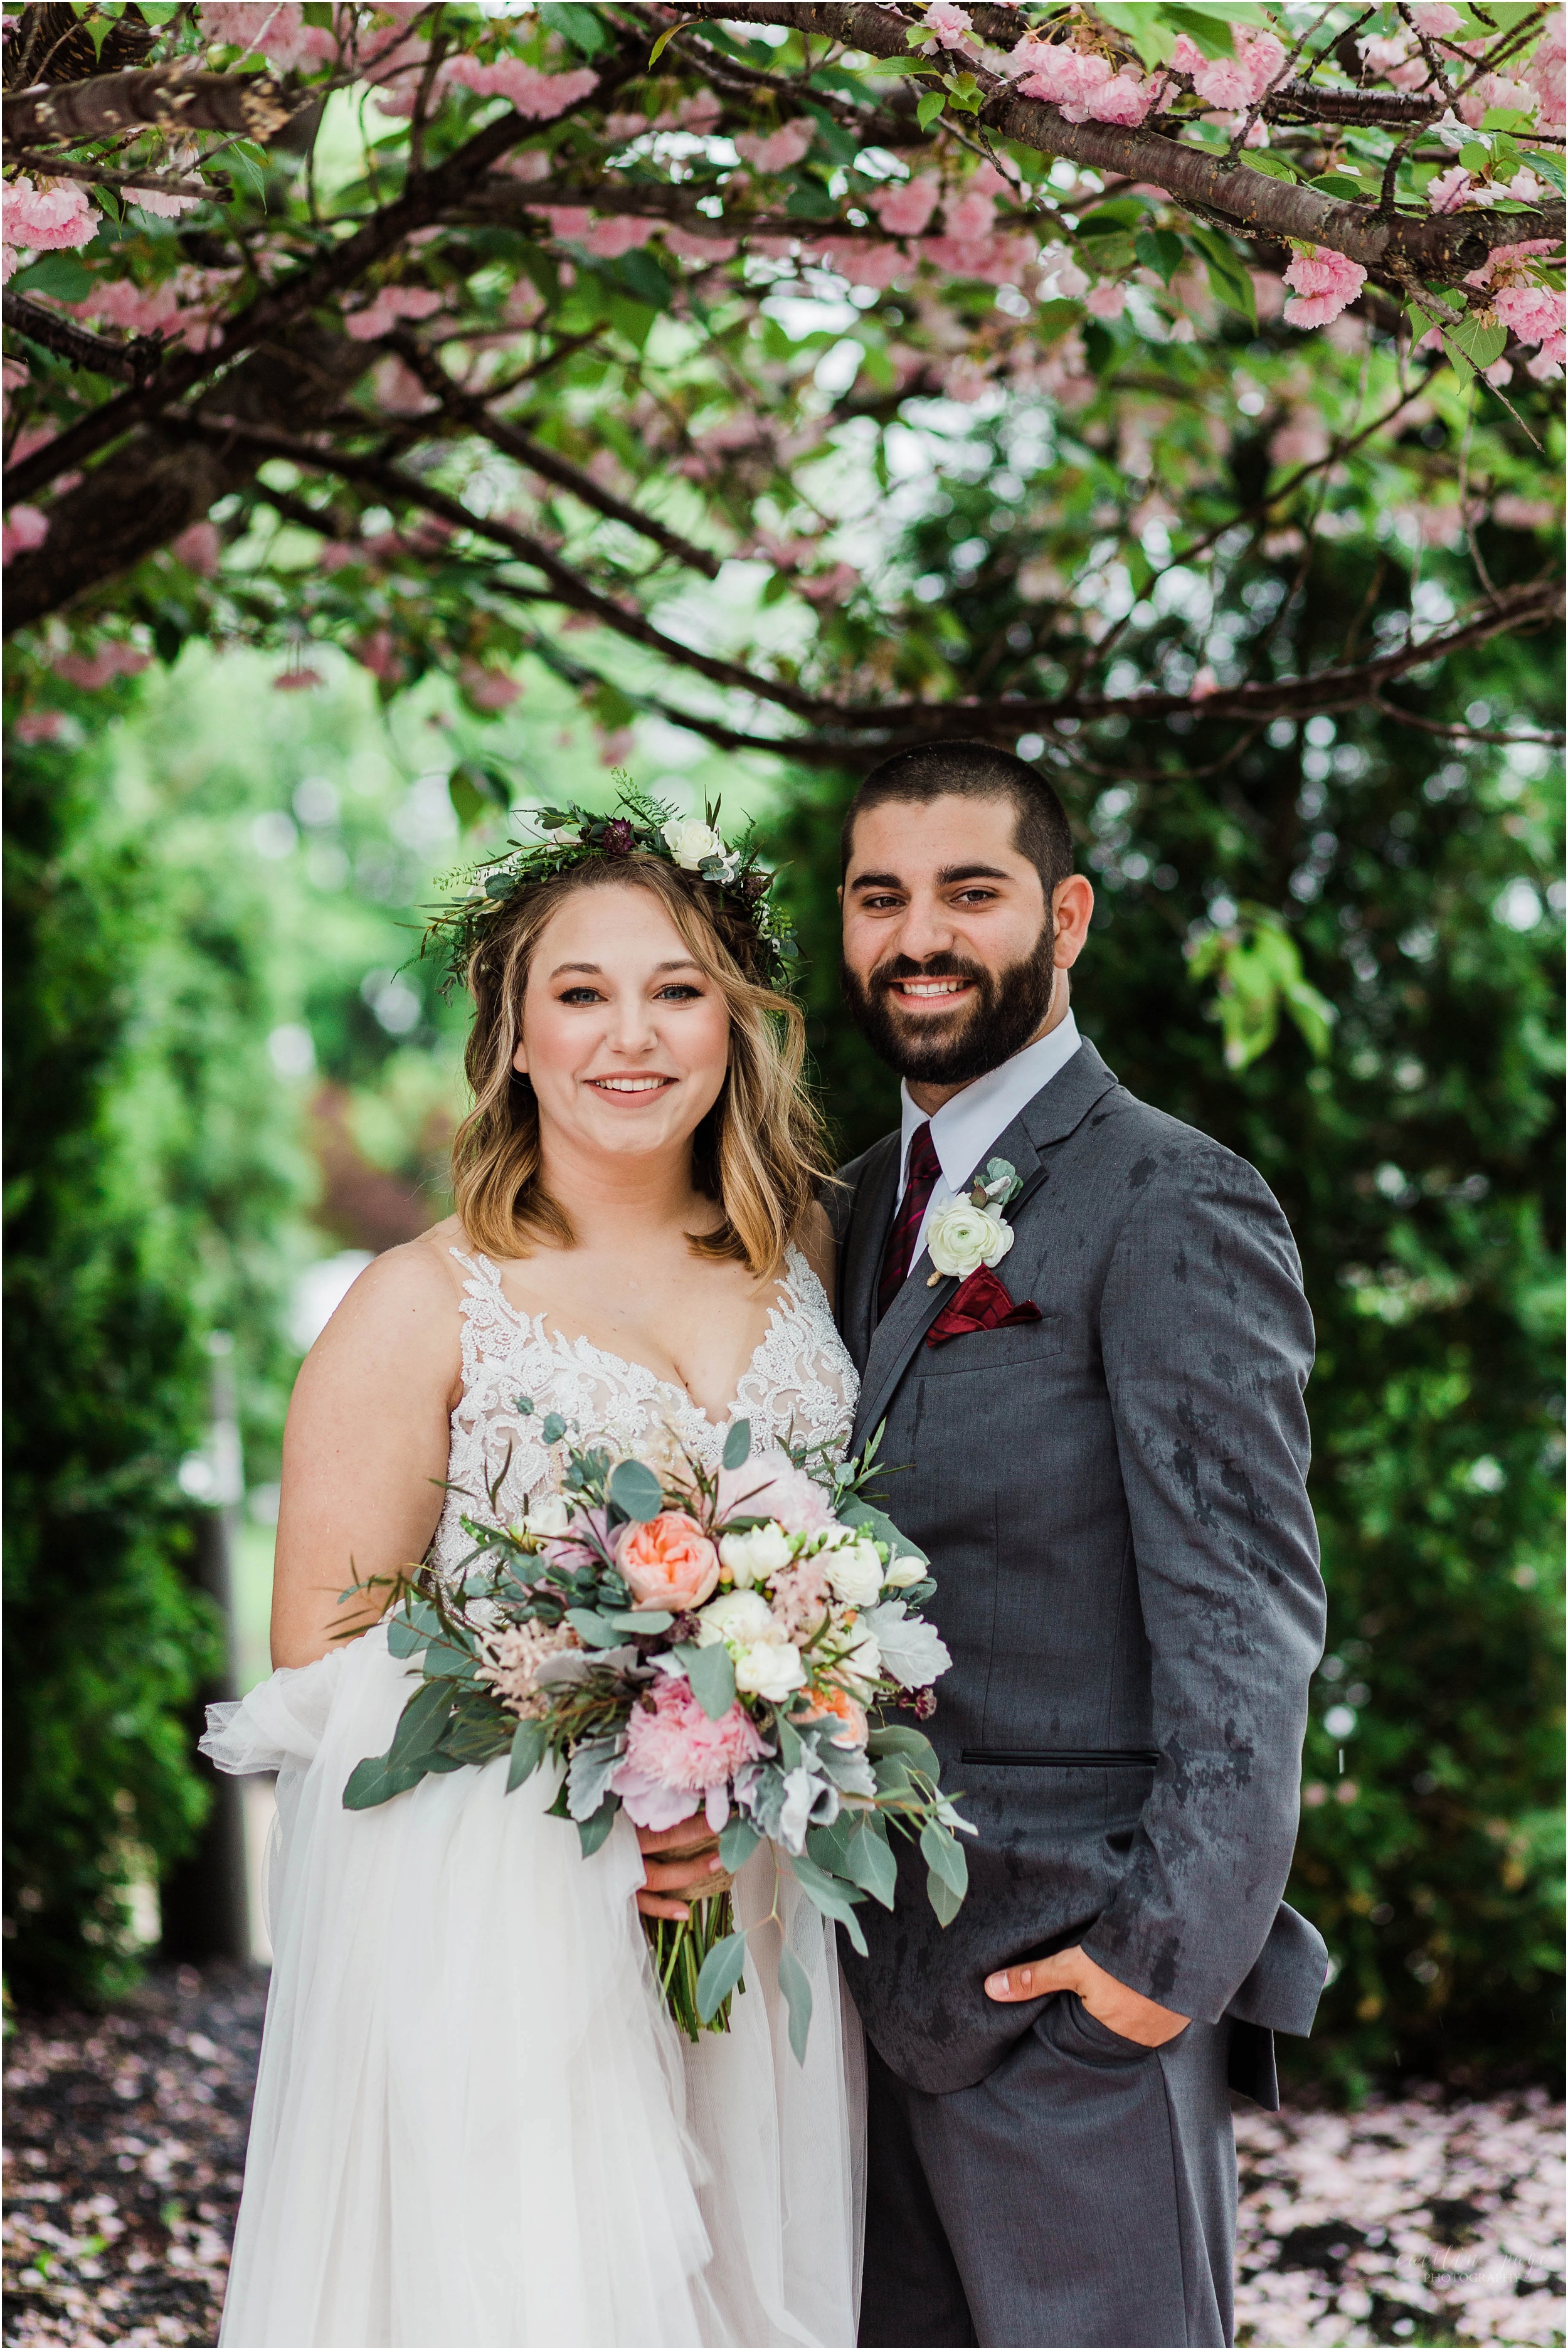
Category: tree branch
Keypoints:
(470, 411)
(163, 98)
(278, 307)
(57, 166)
(1439, 247)
(136, 360)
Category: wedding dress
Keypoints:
(474, 2121)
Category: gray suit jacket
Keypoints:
(1113, 1499)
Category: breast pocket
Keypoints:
(994, 1350)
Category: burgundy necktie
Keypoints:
(924, 1169)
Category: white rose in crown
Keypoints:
(972, 1230)
(689, 840)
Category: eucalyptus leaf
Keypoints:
(421, 1722)
(594, 1763)
(721, 1971)
(528, 1746)
(635, 1492)
(555, 1427)
(737, 1842)
(868, 1859)
(652, 1619)
(945, 1857)
(712, 1675)
(834, 1900)
(911, 1747)
(942, 1899)
(594, 1630)
(592, 1833)
(880, 1528)
(738, 1445)
(797, 1989)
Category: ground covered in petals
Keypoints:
(1417, 2220)
(125, 2146)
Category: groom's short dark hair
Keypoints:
(973, 771)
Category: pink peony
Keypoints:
(674, 1754)
(781, 148)
(905, 209)
(667, 1561)
(25, 528)
(769, 1485)
(1326, 282)
(47, 218)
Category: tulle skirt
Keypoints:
(474, 2122)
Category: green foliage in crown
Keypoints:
(638, 825)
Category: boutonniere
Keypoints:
(969, 1230)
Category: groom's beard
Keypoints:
(1007, 1009)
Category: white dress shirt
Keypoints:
(964, 1128)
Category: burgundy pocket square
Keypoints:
(981, 1303)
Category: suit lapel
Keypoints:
(869, 1219)
(1056, 1110)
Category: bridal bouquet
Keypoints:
(683, 1642)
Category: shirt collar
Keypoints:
(964, 1128)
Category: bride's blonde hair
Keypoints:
(758, 1153)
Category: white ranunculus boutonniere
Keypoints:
(970, 1230)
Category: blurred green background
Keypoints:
(231, 1080)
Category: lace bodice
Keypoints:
(799, 1386)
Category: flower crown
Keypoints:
(638, 825)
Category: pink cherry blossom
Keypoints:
(1435, 19)
(970, 216)
(609, 239)
(830, 586)
(688, 246)
(620, 127)
(386, 305)
(699, 114)
(1105, 300)
(863, 263)
(276, 32)
(950, 24)
(199, 548)
(781, 148)
(487, 689)
(1450, 189)
(40, 725)
(49, 217)
(398, 390)
(1326, 282)
(297, 680)
(1534, 312)
(1511, 511)
(93, 671)
(539, 95)
(905, 208)
(25, 528)
(524, 163)
(1381, 51)
(379, 656)
(1545, 73)
(617, 747)
(1203, 684)
(1127, 100)
(1064, 280)
(570, 221)
(1500, 374)
(160, 205)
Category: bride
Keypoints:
(474, 2121)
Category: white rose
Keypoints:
(751, 1558)
(770, 1669)
(902, 1571)
(689, 840)
(854, 1574)
(737, 1618)
(550, 1517)
(962, 1237)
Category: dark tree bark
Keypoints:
(166, 98)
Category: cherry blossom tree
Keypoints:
(624, 337)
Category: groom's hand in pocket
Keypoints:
(669, 1883)
(1110, 2002)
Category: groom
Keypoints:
(1108, 1465)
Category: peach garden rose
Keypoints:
(668, 1562)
